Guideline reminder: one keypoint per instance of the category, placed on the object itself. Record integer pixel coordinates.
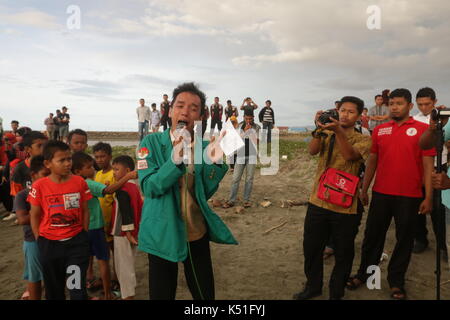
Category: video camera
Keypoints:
(440, 113)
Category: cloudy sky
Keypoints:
(301, 54)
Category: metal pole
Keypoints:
(437, 205)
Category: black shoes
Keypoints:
(306, 294)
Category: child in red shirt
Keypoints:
(60, 220)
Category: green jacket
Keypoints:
(162, 231)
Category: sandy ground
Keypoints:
(263, 265)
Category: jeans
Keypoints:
(237, 175)
(142, 129)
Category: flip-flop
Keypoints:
(351, 285)
(94, 284)
(247, 204)
(25, 295)
(327, 252)
(227, 205)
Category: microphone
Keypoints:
(181, 130)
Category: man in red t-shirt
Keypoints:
(401, 170)
(60, 220)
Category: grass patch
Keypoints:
(119, 151)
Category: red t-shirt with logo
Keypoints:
(61, 204)
(400, 164)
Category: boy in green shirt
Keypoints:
(83, 165)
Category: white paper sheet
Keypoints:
(232, 140)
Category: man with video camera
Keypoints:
(402, 169)
(334, 209)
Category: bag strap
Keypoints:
(330, 149)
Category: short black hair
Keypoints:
(79, 132)
(365, 109)
(378, 95)
(126, 161)
(23, 131)
(29, 138)
(102, 146)
(53, 146)
(426, 92)
(37, 164)
(15, 121)
(401, 93)
(192, 88)
(64, 108)
(359, 103)
(79, 159)
(153, 104)
(269, 102)
(228, 101)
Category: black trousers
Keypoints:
(215, 122)
(166, 122)
(5, 196)
(163, 274)
(421, 227)
(57, 258)
(383, 207)
(204, 124)
(319, 225)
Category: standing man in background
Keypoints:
(216, 115)
(165, 120)
(64, 119)
(50, 126)
(143, 113)
(267, 118)
(378, 114)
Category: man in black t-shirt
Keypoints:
(249, 106)
(164, 108)
(64, 119)
(216, 115)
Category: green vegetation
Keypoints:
(290, 148)
(119, 151)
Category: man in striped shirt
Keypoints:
(267, 118)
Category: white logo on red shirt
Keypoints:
(385, 131)
(71, 201)
(33, 193)
(411, 132)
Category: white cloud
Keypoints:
(30, 17)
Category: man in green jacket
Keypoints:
(177, 223)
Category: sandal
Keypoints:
(115, 286)
(247, 204)
(328, 252)
(94, 284)
(25, 295)
(398, 294)
(227, 205)
(352, 285)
